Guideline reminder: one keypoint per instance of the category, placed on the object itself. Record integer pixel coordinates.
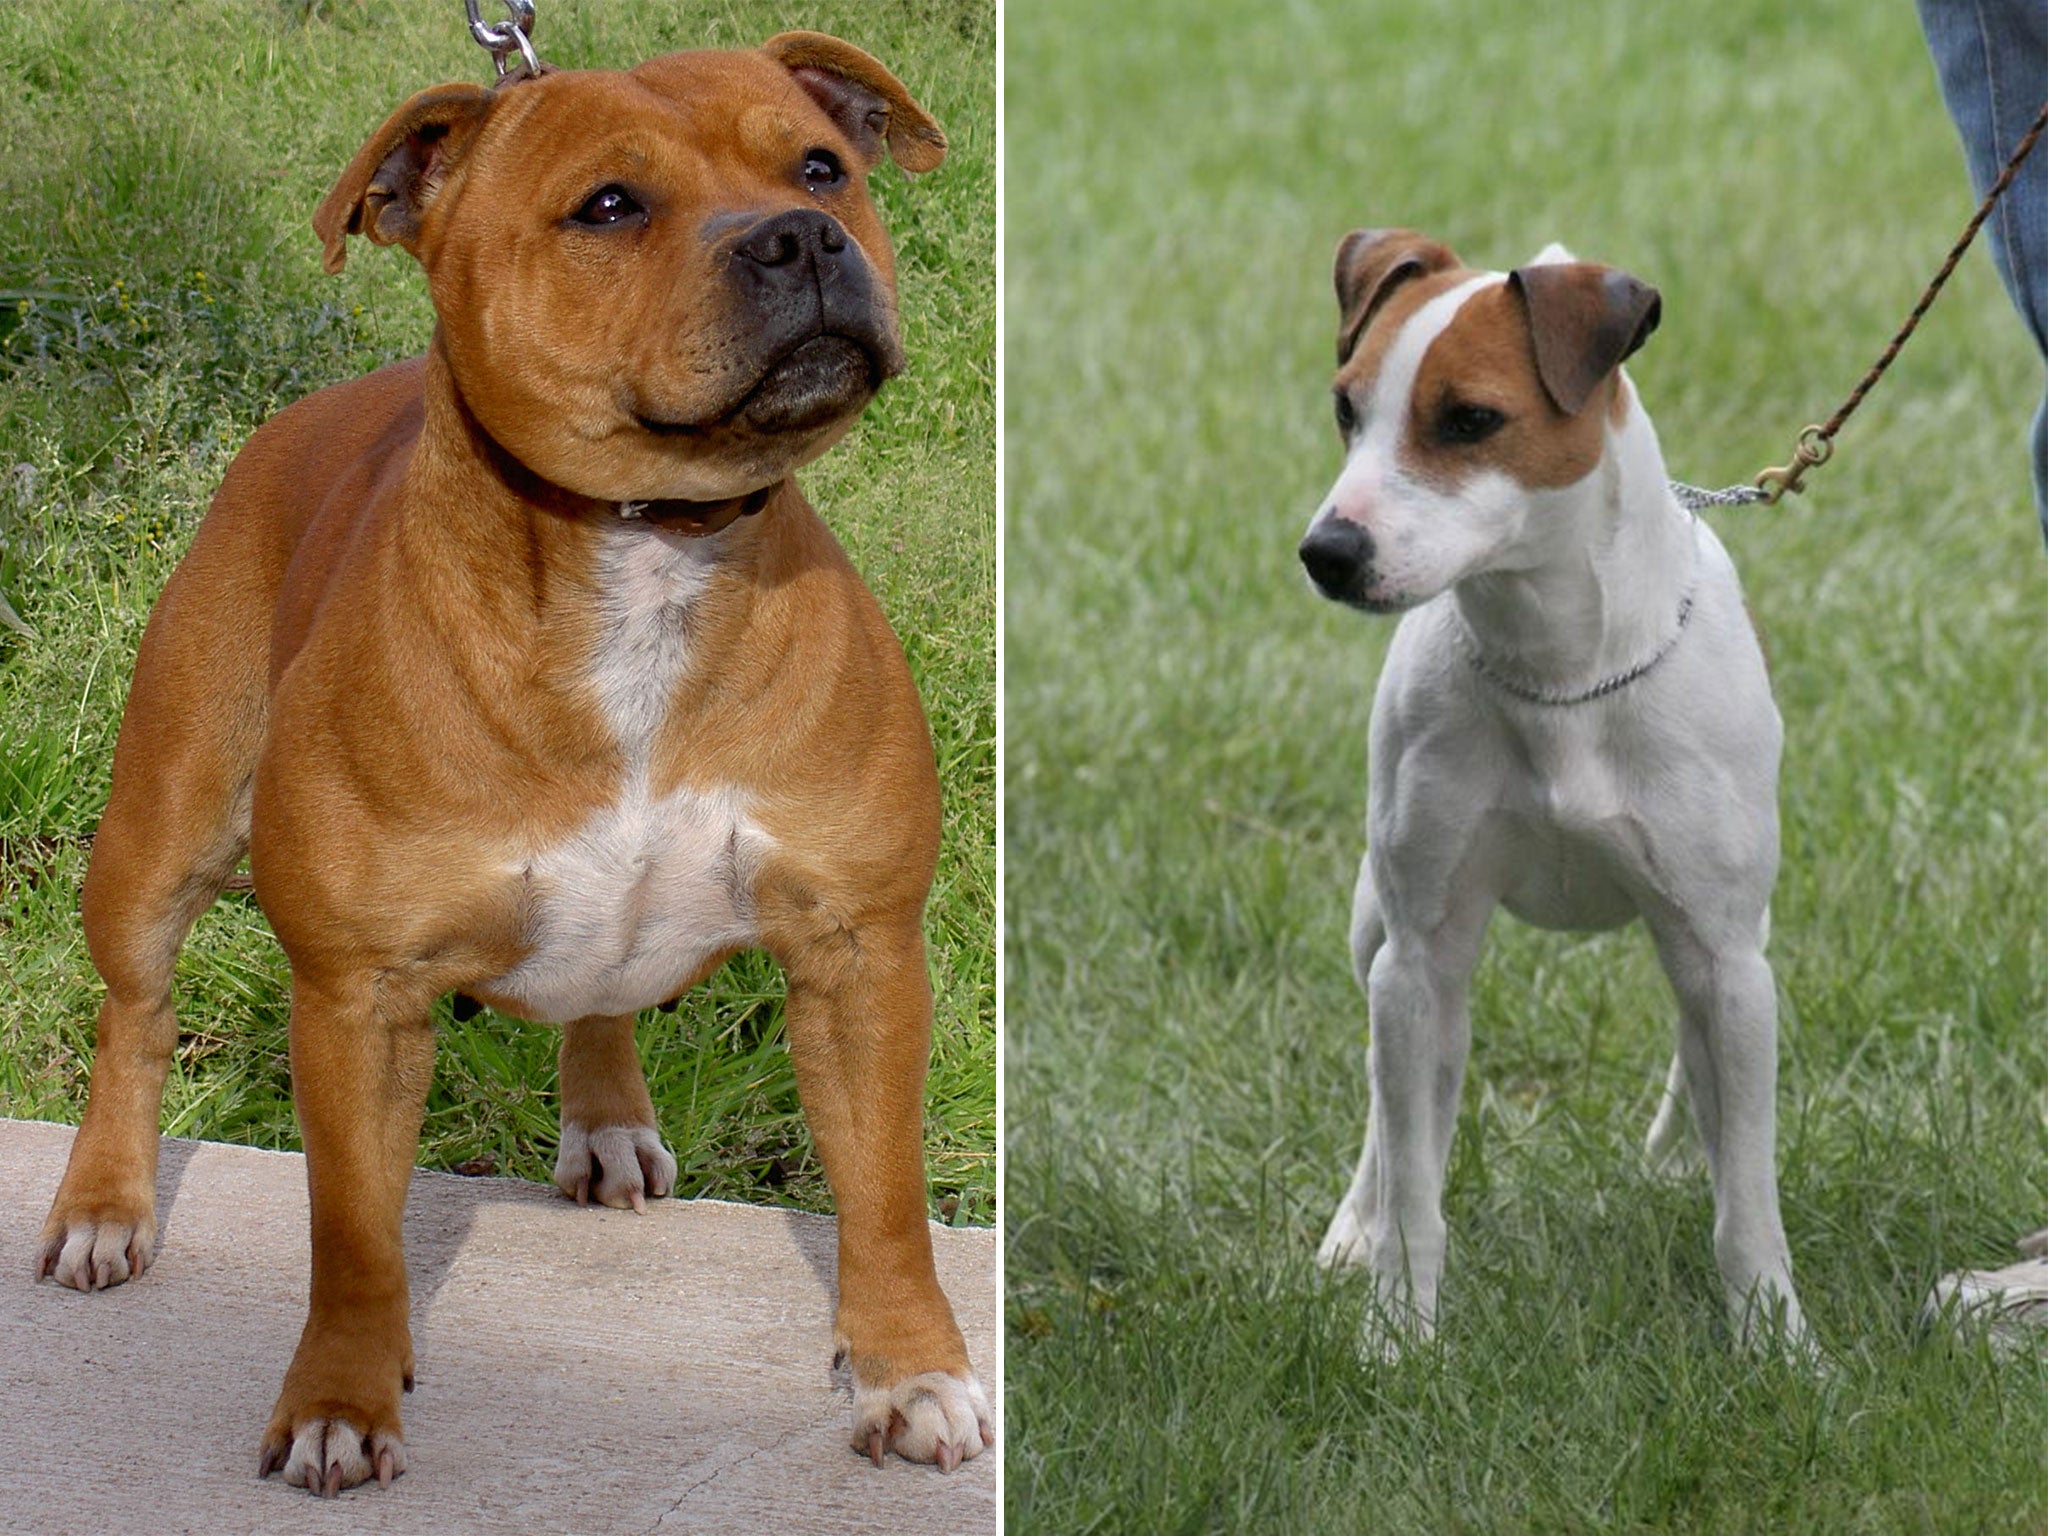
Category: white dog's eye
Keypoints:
(1347, 414)
(1468, 423)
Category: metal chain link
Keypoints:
(505, 38)
(1695, 498)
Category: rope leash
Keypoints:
(1815, 444)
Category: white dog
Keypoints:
(1574, 722)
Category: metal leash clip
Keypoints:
(505, 38)
(1814, 448)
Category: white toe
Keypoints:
(615, 1165)
(97, 1254)
(333, 1453)
(934, 1417)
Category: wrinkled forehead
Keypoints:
(739, 106)
(747, 92)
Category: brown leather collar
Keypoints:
(697, 519)
(692, 519)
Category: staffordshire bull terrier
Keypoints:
(1573, 722)
(523, 670)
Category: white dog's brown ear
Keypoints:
(385, 191)
(1584, 321)
(869, 104)
(1371, 264)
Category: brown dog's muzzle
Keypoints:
(824, 336)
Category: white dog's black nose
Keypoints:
(1338, 556)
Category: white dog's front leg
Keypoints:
(1345, 1243)
(1421, 1033)
(1728, 1026)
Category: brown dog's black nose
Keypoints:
(1338, 556)
(821, 327)
(786, 239)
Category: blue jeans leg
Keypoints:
(1991, 57)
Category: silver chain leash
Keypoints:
(1695, 498)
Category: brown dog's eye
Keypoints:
(608, 206)
(1468, 423)
(822, 169)
(1347, 414)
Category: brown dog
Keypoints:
(565, 695)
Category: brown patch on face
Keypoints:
(1372, 264)
(1359, 376)
(1484, 361)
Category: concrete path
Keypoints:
(579, 1371)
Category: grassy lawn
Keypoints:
(1185, 754)
(160, 294)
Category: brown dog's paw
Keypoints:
(937, 1417)
(324, 1455)
(618, 1165)
(336, 1421)
(91, 1248)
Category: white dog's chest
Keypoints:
(1572, 845)
(1567, 872)
(623, 912)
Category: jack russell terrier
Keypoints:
(1574, 722)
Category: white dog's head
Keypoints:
(1473, 405)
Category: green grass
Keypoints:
(1185, 744)
(160, 294)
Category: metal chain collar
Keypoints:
(1528, 694)
(1599, 690)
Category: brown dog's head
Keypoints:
(662, 283)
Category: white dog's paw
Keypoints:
(1396, 1320)
(1767, 1322)
(618, 1165)
(936, 1417)
(1344, 1245)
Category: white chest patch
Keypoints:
(624, 911)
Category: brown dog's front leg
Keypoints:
(859, 1021)
(359, 1080)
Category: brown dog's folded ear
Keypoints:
(1371, 264)
(868, 103)
(1584, 321)
(387, 186)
